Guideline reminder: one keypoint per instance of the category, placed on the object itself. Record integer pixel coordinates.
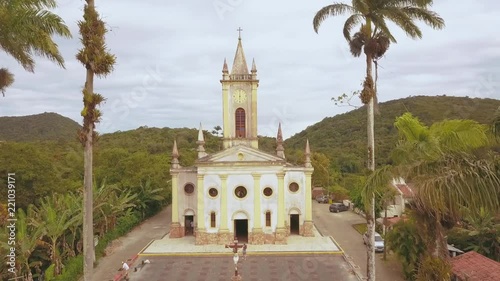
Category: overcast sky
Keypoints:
(170, 56)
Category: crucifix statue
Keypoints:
(235, 246)
(239, 32)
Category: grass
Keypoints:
(360, 227)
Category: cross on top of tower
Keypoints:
(239, 32)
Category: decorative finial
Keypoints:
(239, 32)
(224, 67)
(200, 135)
(175, 156)
(308, 155)
(254, 67)
(280, 150)
(201, 142)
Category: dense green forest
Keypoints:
(343, 137)
(44, 126)
(48, 162)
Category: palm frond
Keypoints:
(460, 135)
(6, 79)
(430, 18)
(405, 3)
(28, 30)
(335, 9)
(401, 19)
(410, 128)
(378, 180)
(457, 182)
(352, 21)
(381, 25)
(362, 6)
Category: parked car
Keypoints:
(322, 199)
(379, 241)
(338, 207)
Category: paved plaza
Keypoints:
(255, 268)
(303, 258)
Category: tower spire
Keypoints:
(175, 156)
(308, 155)
(239, 63)
(201, 142)
(280, 150)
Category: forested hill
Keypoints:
(39, 127)
(343, 137)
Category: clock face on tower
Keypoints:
(239, 96)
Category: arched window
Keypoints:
(212, 219)
(268, 218)
(240, 123)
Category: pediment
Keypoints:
(242, 154)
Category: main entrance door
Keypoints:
(188, 225)
(241, 230)
(294, 224)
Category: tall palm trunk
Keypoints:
(88, 218)
(370, 215)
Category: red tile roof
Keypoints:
(405, 190)
(391, 221)
(472, 266)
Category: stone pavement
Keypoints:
(296, 244)
(255, 268)
(303, 258)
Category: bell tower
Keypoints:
(239, 97)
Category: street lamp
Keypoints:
(235, 259)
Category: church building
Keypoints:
(241, 191)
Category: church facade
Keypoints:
(241, 191)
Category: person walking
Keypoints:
(244, 251)
(126, 268)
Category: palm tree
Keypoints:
(481, 226)
(404, 240)
(28, 238)
(448, 177)
(374, 38)
(54, 219)
(97, 61)
(73, 203)
(109, 203)
(26, 30)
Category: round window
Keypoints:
(189, 188)
(213, 192)
(240, 192)
(294, 187)
(268, 191)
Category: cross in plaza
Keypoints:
(235, 246)
(239, 32)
